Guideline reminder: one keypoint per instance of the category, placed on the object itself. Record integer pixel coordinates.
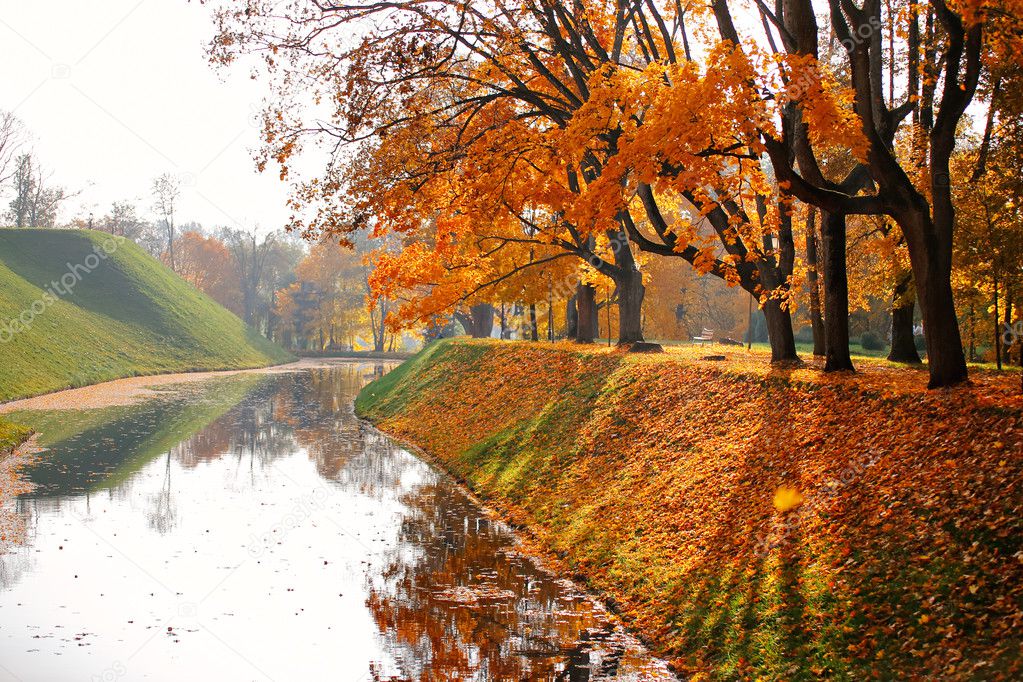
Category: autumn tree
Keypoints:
(205, 263)
(573, 112)
(880, 277)
(380, 307)
(945, 52)
(525, 72)
(328, 299)
(987, 255)
(681, 303)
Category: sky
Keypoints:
(118, 92)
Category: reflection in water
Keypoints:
(254, 528)
(90, 450)
(462, 601)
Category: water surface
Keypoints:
(252, 528)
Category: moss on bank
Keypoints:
(660, 481)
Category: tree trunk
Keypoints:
(383, 324)
(779, 332)
(482, 320)
(170, 248)
(836, 294)
(973, 332)
(586, 304)
(1007, 347)
(571, 317)
(903, 342)
(945, 357)
(816, 319)
(998, 330)
(630, 307)
(534, 331)
(380, 334)
(930, 251)
(479, 323)
(903, 305)
(505, 331)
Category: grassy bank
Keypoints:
(70, 318)
(11, 436)
(751, 523)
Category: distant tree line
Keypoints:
(306, 298)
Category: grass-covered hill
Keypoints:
(754, 523)
(78, 307)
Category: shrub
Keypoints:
(871, 341)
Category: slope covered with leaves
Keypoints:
(752, 523)
(129, 315)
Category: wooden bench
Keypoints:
(705, 336)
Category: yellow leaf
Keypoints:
(787, 498)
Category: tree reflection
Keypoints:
(454, 603)
(319, 407)
(163, 514)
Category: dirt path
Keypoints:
(135, 389)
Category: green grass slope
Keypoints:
(77, 308)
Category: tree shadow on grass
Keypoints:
(748, 614)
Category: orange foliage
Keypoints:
(206, 264)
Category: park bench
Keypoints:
(705, 336)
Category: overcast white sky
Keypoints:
(119, 91)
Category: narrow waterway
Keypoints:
(251, 528)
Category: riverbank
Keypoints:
(353, 354)
(131, 390)
(11, 436)
(748, 522)
(267, 487)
